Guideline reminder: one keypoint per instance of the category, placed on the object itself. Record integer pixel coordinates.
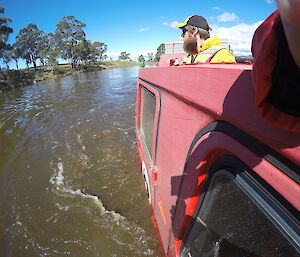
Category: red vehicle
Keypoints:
(221, 180)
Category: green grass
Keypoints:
(28, 76)
(119, 64)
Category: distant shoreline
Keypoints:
(10, 79)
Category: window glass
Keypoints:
(148, 106)
(231, 225)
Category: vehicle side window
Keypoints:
(230, 224)
(148, 106)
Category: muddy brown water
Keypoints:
(69, 173)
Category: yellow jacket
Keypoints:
(211, 52)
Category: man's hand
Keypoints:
(174, 62)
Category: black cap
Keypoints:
(196, 21)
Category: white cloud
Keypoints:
(226, 16)
(113, 55)
(217, 8)
(171, 24)
(270, 1)
(144, 29)
(238, 36)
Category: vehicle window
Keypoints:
(148, 106)
(229, 224)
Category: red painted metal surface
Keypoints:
(188, 98)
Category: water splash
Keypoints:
(113, 222)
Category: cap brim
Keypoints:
(183, 24)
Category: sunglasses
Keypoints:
(184, 30)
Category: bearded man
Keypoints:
(201, 48)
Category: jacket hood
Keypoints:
(209, 43)
(264, 49)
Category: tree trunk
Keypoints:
(34, 64)
(73, 65)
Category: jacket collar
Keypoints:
(209, 43)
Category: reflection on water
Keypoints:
(69, 173)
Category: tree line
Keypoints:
(68, 42)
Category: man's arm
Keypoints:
(290, 15)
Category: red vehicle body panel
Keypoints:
(190, 98)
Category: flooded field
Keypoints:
(69, 172)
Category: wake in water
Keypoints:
(58, 181)
(117, 226)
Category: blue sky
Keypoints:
(139, 27)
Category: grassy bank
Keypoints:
(17, 78)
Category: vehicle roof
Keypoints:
(225, 92)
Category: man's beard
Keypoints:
(190, 45)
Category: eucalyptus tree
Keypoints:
(98, 51)
(84, 51)
(16, 54)
(29, 40)
(53, 53)
(7, 55)
(43, 48)
(124, 56)
(69, 34)
(5, 30)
